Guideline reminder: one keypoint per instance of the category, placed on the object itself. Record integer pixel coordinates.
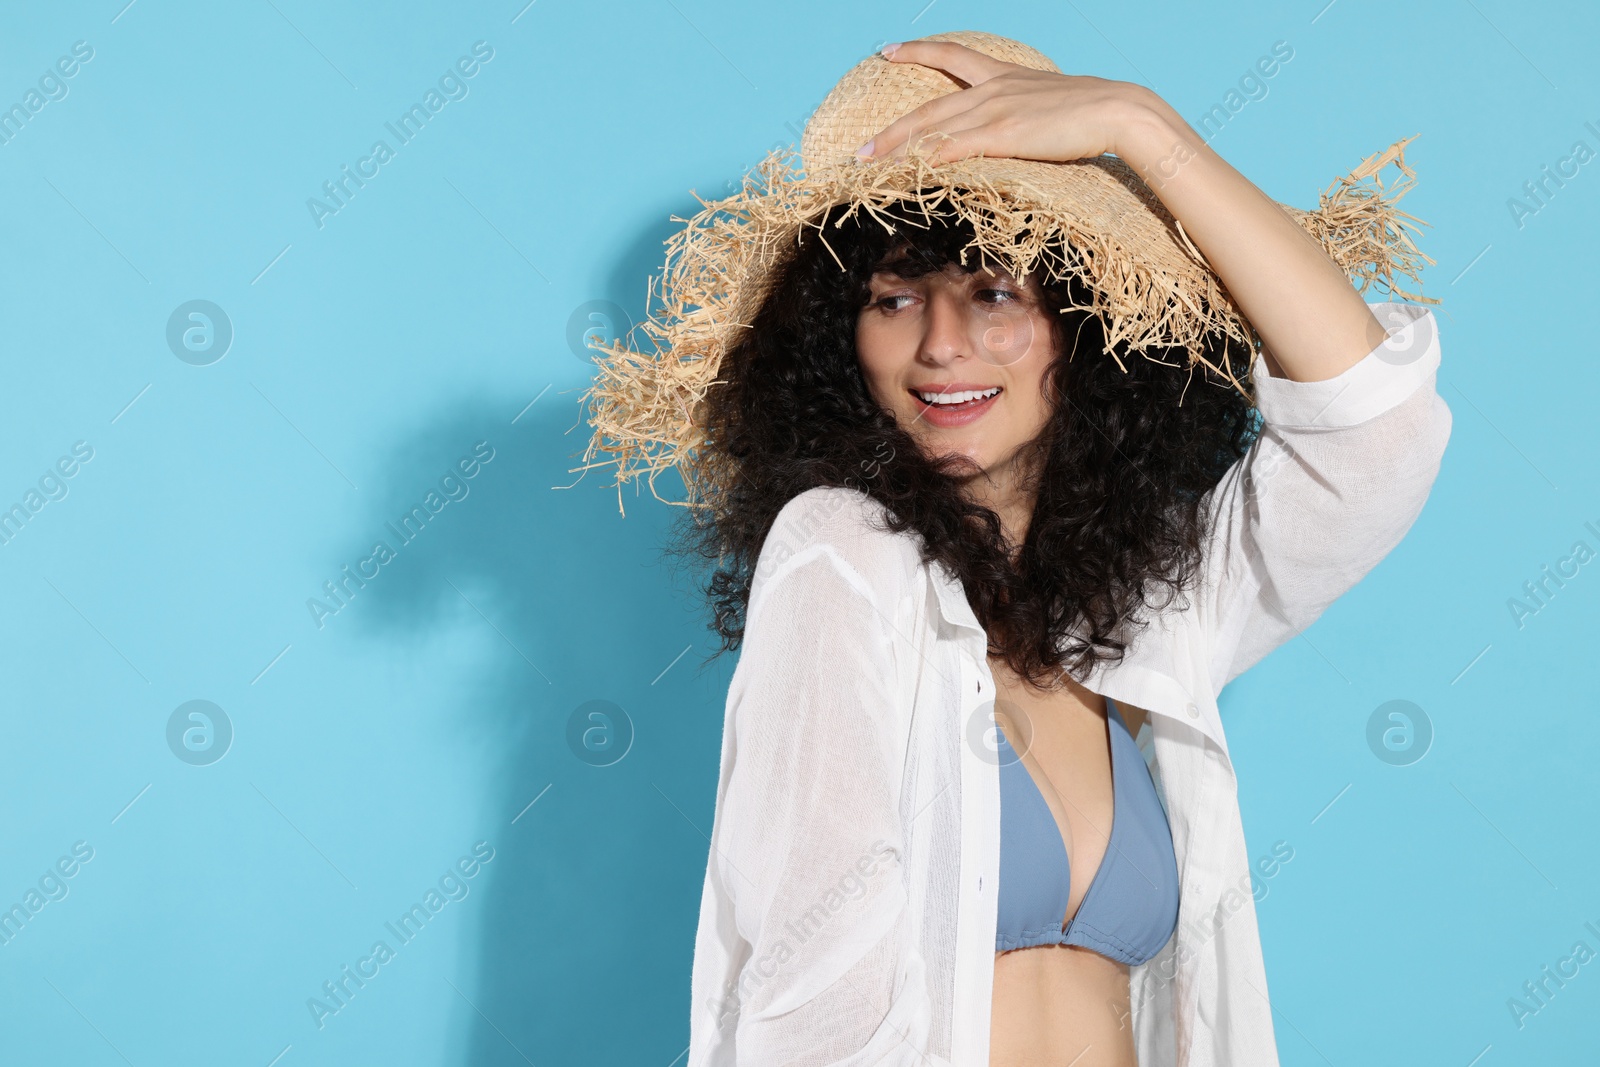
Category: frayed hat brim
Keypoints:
(1092, 219)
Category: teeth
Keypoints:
(956, 398)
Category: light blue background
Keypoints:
(373, 352)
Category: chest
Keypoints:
(1062, 737)
(952, 790)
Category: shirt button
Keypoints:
(980, 883)
(1190, 710)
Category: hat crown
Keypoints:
(877, 91)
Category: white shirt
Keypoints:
(849, 906)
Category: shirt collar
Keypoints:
(1137, 680)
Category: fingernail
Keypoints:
(865, 151)
(888, 50)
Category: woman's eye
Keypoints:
(999, 296)
(888, 303)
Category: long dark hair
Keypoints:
(1123, 462)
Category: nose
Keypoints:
(945, 336)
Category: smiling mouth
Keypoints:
(961, 401)
(952, 410)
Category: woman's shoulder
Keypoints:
(848, 528)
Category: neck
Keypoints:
(1003, 491)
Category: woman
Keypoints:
(978, 529)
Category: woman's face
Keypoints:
(924, 341)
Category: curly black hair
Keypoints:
(1123, 463)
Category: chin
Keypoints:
(968, 465)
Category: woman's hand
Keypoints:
(1009, 110)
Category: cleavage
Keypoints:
(1066, 749)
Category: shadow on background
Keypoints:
(587, 920)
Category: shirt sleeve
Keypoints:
(1338, 474)
(810, 843)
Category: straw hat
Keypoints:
(1093, 218)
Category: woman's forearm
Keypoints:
(1312, 321)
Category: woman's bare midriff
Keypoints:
(1057, 1005)
(1062, 1005)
